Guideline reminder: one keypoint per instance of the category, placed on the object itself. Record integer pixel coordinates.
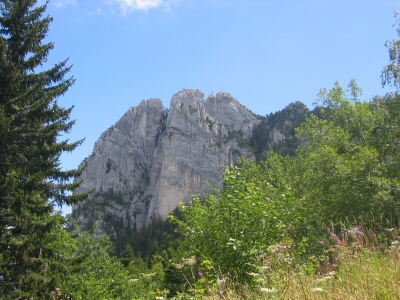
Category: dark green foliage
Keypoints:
(152, 244)
(128, 255)
(31, 179)
(163, 126)
(101, 206)
(174, 281)
(284, 122)
(154, 238)
(113, 197)
(108, 165)
(49, 257)
(100, 275)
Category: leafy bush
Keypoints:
(233, 227)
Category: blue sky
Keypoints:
(266, 53)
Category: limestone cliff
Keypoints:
(152, 158)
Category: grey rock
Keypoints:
(151, 160)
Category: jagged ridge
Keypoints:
(151, 160)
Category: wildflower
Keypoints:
(201, 274)
(322, 242)
(325, 278)
(222, 285)
(267, 290)
(178, 266)
(331, 273)
(221, 281)
(148, 275)
(395, 244)
(189, 261)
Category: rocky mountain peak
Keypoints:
(151, 160)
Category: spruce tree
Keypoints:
(32, 182)
(127, 255)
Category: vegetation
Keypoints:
(31, 180)
(343, 175)
(284, 123)
(269, 233)
(267, 226)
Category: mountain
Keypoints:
(154, 158)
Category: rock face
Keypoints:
(152, 159)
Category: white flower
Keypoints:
(395, 244)
(331, 273)
(266, 290)
(325, 278)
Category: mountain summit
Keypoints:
(152, 158)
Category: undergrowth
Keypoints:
(354, 265)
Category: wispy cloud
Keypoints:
(98, 11)
(127, 6)
(62, 3)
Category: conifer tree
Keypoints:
(32, 182)
(128, 255)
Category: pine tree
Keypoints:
(31, 180)
(127, 255)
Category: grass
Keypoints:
(355, 267)
(364, 275)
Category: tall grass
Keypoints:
(354, 266)
(364, 275)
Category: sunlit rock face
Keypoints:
(152, 158)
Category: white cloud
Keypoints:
(167, 7)
(62, 3)
(98, 11)
(127, 6)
